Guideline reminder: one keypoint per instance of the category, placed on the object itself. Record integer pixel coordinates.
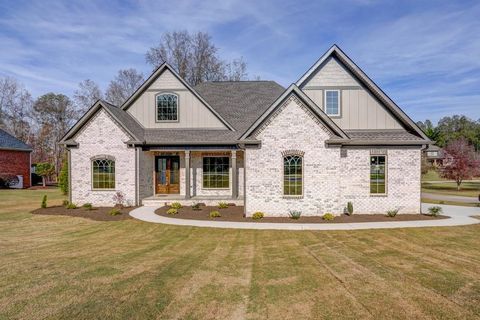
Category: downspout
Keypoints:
(424, 147)
(69, 155)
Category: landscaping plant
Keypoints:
(71, 205)
(196, 206)
(257, 215)
(434, 211)
(328, 216)
(88, 206)
(392, 213)
(215, 214)
(172, 211)
(295, 214)
(115, 212)
(176, 205)
(65, 203)
(222, 205)
(349, 208)
(119, 199)
(44, 201)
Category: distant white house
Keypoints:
(331, 137)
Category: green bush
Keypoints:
(88, 206)
(295, 214)
(44, 201)
(215, 214)
(349, 208)
(196, 206)
(328, 216)
(172, 211)
(434, 211)
(115, 212)
(222, 205)
(176, 205)
(63, 178)
(71, 205)
(257, 215)
(65, 203)
(392, 213)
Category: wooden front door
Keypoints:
(167, 174)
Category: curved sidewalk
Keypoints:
(459, 216)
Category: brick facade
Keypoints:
(17, 163)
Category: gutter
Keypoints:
(343, 142)
(194, 143)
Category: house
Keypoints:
(434, 156)
(330, 138)
(15, 159)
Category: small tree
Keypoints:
(63, 179)
(44, 169)
(44, 201)
(461, 162)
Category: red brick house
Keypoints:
(15, 158)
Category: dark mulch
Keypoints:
(235, 213)
(97, 214)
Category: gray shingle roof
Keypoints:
(383, 135)
(127, 120)
(7, 141)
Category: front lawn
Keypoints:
(468, 188)
(65, 267)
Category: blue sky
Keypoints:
(424, 54)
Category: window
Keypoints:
(332, 102)
(103, 174)
(167, 107)
(432, 153)
(216, 172)
(292, 175)
(377, 175)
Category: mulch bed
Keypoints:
(97, 213)
(235, 214)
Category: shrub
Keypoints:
(8, 180)
(257, 215)
(88, 206)
(392, 213)
(349, 208)
(44, 201)
(295, 214)
(222, 205)
(119, 199)
(328, 216)
(196, 206)
(172, 211)
(71, 205)
(115, 212)
(434, 211)
(63, 178)
(65, 203)
(215, 214)
(176, 205)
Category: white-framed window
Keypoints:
(166, 107)
(378, 174)
(292, 175)
(332, 102)
(432, 153)
(103, 173)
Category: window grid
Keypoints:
(216, 172)
(332, 105)
(292, 175)
(378, 175)
(167, 107)
(103, 174)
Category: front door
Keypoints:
(167, 174)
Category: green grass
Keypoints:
(62, 267)
(468, 188)
(432, 175)
(451, 203)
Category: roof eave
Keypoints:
(359, 142)
(16, 149)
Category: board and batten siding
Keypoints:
(192, 112)
(359, 108)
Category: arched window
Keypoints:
(292, 175)
(167, 107)
(103, 173)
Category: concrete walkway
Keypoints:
(458, 216)
(448, 197)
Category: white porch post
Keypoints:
(187, 174)
(234, 175)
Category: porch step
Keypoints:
(160, 201)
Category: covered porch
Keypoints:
(191, 175)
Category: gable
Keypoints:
(193, 111)
(363, 105)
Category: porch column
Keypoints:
(187, 174)
(234, 175)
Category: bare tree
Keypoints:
(123, 86)
(86, 95)
(195, 58)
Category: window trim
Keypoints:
(102, 157)
(156, 107)
(336, 115)
(229, 171)
(386, 176)
(302, 156)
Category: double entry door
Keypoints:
(167, 174)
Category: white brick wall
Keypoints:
(329, 180)
(102, 136)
